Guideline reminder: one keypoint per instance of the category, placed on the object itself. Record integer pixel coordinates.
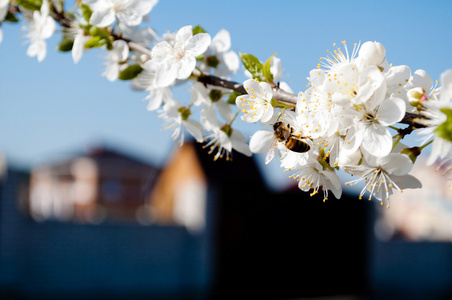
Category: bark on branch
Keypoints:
(278, 94)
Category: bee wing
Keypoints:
(271, 153)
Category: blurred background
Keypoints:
(97, 201)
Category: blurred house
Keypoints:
(97, 226)
(101, 184)
(74, 230)
(204, 229)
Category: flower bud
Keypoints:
(416, 96)
(372, 53)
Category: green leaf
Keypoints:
(445, 130)
(233, 96)
(86, 11)
(94, 42)
(10, 17)
(198, 29)
(102, 32)
(65, 44)
(30, 4)
(253, 65)
(267, 74)
(130, 72)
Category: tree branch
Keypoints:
(278, 94)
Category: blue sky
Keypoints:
(52, 109)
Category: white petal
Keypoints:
(121, 49)
(225, 110)
(44, 8)
(130, 18)
(143, 7)
(209, 118)
(336, 187)
(261, 141)
(239, 143)
(197, 44)
(421, 78)
(397, 75)
(165, 75)
(221, 42)
(224, 140)
(3, 9)
(49, 28)
(199, 95)
(252, 87)
(341, 99)
(78, 47)
(102, 18)
(397, 164)
(268, 114)
(391, 111)
(156, 99)
(446, 86)
(284, 86)
(406, 182)
(317, 77)
(364, 93)
(194, 128)
(161, 52)
(231, 60)
(183, 35)
(276, 68)
(377, 140)
(184, 67)
(266, 90)
(112, 72)
(440, 148)
(353, 139)
(372, 53)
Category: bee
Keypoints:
(284, 134)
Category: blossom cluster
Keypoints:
(348, 119)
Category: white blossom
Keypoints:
(176, 117)
(315, 177)
(223, 138)
(383, 174)
(177, 60)
(129, 12)
(220, 57)
(257, 104)
(211, 96)
(115, 57)
(40, 28)
(435, 116)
